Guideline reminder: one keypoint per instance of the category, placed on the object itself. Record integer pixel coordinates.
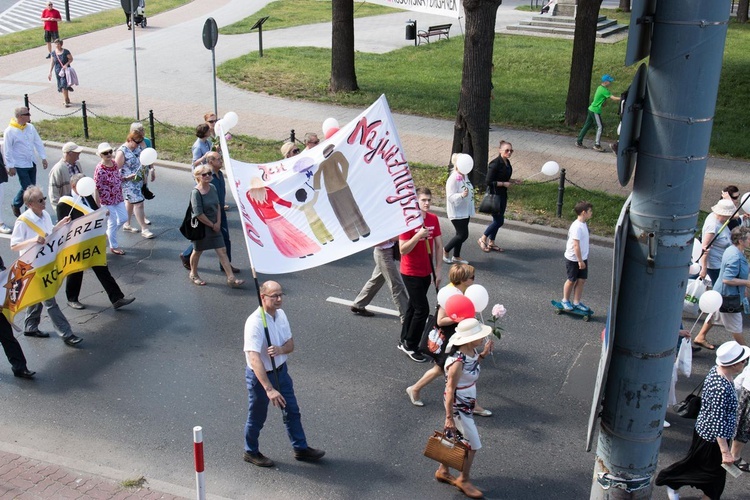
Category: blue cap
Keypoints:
(608, 78)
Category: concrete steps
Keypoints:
(564, 26)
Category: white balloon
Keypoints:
(710, 301)
(148, 156)
(697, 249)
(550, 168)
(230, 120)
(744, 203)
(464, 163)
(694, 269)
(86, 186)
(445, 293)
(328, 124)
(478, 296)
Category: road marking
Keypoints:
(382, 310)
(26, 14)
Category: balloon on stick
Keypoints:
(478, 296)
(697, 250)
(148, 156)
(445, 293)
(464, 163)
(86, 186)
(710, 301)
(328, 124)
(229, 121)
(744, 203)
(330, 132)
(459, 307)
(694, 269)
(550, 168)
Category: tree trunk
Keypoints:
(471, 129)
(582, 63)
(625, 5)
(742, 8)
(343, 74)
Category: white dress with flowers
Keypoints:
(465, 397)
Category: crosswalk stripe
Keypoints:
(26, 14)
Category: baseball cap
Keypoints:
(71, 147)
(608, 78)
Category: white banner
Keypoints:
(349, 193)
(448, 8)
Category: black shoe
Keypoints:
(361, 311)
(36, 333)
(418, 357)
(72, 340)
(309, 454)
(70, 89)
(16, 210)
(122, 302)
(258, 459)
(48, 56)
(185, 262)
(76, 305)
(25, 373)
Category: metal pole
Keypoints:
(260, 40)
(67, 11)
(135, 62)
(292, 138)
(213, 65)
(152, 128)
(687, 46)
(26, 101)
(560, 193)
(85, 120)
(200, 479)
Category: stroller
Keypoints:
(139, 16)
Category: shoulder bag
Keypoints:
(730, 304)
(191, 227)
(490, 203)
(691, 405)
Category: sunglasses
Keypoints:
(25, 114)
(734, 197)
(206, 174)
(314, 142)
(138, 141)
(295, 150)
(106, 153)
(42, 199)
(211, 121)
(507, 151)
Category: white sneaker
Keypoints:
(672, 494)
(147, 234)
(129, 228)
(5, 229)
(148, 222)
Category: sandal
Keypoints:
(483, 245)
(494, 247)
(444, 477)
(234, 282)
(117, 251)
(197, 281)
(704, 345)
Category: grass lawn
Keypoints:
(288, 13)
(28, 39)
(425, 80)
(532, 202)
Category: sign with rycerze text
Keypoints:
(351, 192)
(448, 8)
(38, 273)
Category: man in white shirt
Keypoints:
(21, 142)
(261, 382)
(32, 227)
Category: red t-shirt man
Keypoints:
(416, 272)
(50, 16)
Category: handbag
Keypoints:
(448, 451)
(695, 290)
(433, 340)
(691, 405)
(191, 228)
(146, 192)
(685, 357)
(490, 203)
(730, 304)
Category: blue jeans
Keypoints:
(27, 177)
(257, 402)
(498, 219)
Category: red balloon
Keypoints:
(331, 131)
(459, 307)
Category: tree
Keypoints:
(343, 74)
(625, 5)
(742, 8)
(471, 128)
(582, 63)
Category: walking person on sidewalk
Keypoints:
(32, 227)
(419, 249)
(386, 271)
(594, 115)
(261, 382)
(21, 142)
(50, 16)
(499, 172)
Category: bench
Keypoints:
(440, 30)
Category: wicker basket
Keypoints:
(448, 451)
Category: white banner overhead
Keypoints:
(448, 8)
(348, 193)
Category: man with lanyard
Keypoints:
(32, 227)
(50, 16)
(418, 250)
(261, 380)
(75, 208)
(62, 171)
(215, 161)
(21, 141)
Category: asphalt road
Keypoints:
(129, 397)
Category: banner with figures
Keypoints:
(448, 8)
(348, 193)
(38, 273)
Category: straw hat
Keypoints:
(724, 207)
(730, 353)
(104, 146)
(467, 331)
(287, 148)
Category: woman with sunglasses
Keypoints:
(132, 172)
(732, 193)
(109, 194)
(498, 180)
(204, 199)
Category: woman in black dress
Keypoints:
(499, 173)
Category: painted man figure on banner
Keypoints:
(334, 170)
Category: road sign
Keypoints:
(210, 34)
